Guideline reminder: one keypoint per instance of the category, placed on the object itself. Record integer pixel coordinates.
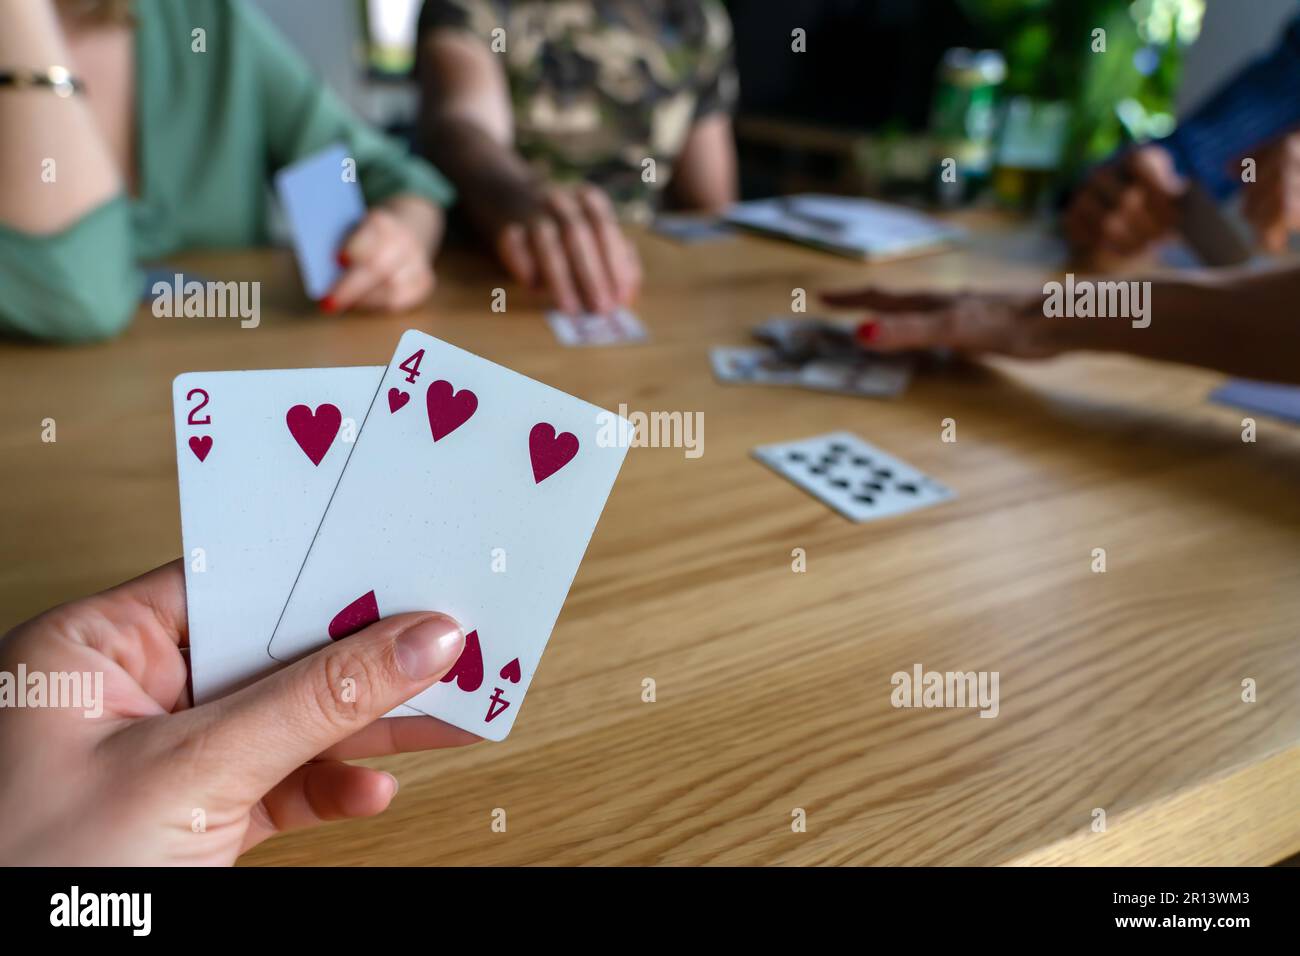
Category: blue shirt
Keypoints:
(1259, 104)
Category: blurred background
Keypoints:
(887, 88)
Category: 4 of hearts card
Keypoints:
(471, 490)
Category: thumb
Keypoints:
(256, 737)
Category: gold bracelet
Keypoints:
(56, 78)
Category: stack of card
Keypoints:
(315, 501)
(812, 353)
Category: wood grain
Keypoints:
(1119, 691)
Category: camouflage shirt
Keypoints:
(601, 86)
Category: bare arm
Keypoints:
(705, 175)
(1234, 320)
(36, 126)
(467, 127)
(563, 239)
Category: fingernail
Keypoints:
(396, 785)
(428, 647)
(327, 304)
(343, 259)
(868, 331)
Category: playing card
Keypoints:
(1267, 398)
(323, 205)
(880, 377)
(864, 375)
(258, 455)
(805, 339)
(752, 365)
(473, 490)
(619, 327)
(852, 476)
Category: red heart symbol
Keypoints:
(448, 409)
(201, 446)
(550, 452)
(511, 671)
(360, 613)
(314, 431)
(396, 399)
(467, 672)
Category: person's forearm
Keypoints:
(55, 165)
(705, 177)
(494, 183)
(1242, 323)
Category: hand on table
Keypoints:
(570, 244)
(1126, 205)
(1007, 323)
(128, 787)
(388, 259)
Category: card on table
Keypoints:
(867, 376)
(883, 377)
(258, 455)
(619, 327)
(802, 339)
(831, 359)
(472, 490)
(1267, 398)
(755, 364)
(322, 207)
(853, 476)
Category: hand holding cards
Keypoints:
(470, 489)
(323, 207)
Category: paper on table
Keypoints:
(861, 228)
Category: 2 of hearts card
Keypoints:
(258, 455)
(468, 489)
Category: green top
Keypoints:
(212, 128)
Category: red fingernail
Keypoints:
(868, 331)
(328, 304)
(344, 261)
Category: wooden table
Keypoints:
(1119, 691)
